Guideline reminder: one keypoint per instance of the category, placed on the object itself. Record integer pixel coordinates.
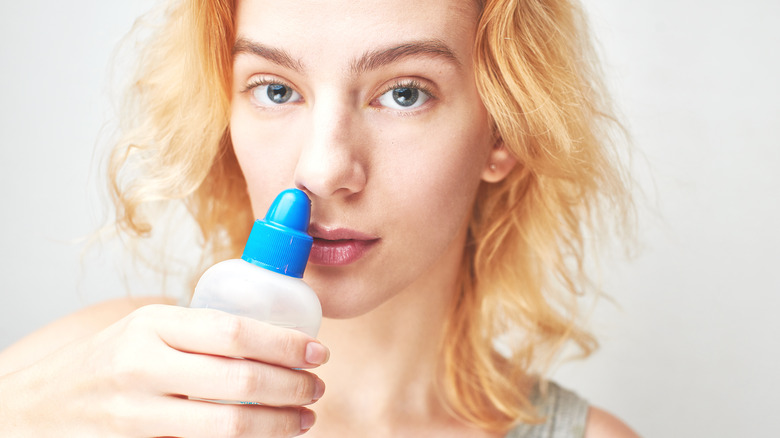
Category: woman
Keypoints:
(454, 157)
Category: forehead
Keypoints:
(333, 30)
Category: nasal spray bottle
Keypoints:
(265, 283)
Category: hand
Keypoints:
(134, 379)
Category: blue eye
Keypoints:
(271, 94)
(403, 98)
(406, 96)
(279, 93)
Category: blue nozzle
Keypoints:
(292, 209)
(279, 242)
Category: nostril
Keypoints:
(331, 174)
(305, 190)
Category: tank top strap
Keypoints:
(564, 412)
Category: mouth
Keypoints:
(338, 246)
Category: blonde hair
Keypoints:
(523, 267)
(175, 143)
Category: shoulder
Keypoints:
(602, 424)
(84, 322)
(567, 414)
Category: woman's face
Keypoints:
(371, 108)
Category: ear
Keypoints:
(500, 162)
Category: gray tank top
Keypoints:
(565, 415)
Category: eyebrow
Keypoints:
(370, 60)
(375, 59)
(277, 56)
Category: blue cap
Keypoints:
(279, 242)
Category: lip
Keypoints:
(338, 246)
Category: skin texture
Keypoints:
(405, 177)
(386, 172)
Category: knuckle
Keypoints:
(287, 424)
(120, 416)
(139, 324)
(292, 424)
(124, 369)
(139, 319)
(231, 330)
(146, 315)
(128, 372)
(288, 345)
(245, 378)
(125, 372)
(235, 423)
(135, 341)
(304, 389)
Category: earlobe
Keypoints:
(500, 162)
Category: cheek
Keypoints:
(434, 183)
(262, 158)
(447, 160)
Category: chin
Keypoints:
(341, 307)
(352, 294)
(344, 296)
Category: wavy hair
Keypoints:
(174, 140)
(524, 270)
(524, 265)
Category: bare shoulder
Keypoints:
(602, 424)
(84, 322)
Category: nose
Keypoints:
(332, 161)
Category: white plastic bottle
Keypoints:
(266, 283)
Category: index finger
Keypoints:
(209, 331)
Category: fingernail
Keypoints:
(316, 354)
(319, 390)
(307, 419)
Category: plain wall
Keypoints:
(691, 347)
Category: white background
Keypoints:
(692, 347)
